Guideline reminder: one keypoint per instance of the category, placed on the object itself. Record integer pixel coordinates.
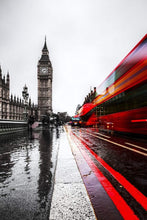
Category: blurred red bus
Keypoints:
(122, 101)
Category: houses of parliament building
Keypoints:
(12, 108)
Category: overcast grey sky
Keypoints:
(86, 41)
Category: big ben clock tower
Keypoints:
(44, 83)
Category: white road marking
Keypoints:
(103, 135)
(99, 134)
(133, 145)
(120, 145)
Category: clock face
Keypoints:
(43, 69)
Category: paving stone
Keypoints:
(70, 200)
(67, 172)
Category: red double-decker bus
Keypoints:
(122, 101)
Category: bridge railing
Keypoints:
(12, 126)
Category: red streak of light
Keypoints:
(125, 183)
(139, 120)
(126, 212)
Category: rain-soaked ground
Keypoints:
(27, 166)
(116, 159)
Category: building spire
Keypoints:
(0, 71)
(8, 77)
(45, 46)
(45, 54)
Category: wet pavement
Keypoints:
(117, 167)
(27, 168)
(70, 199)
(39, 167)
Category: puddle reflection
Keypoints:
(27, 163)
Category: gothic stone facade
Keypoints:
(44, 83)
(12, 108)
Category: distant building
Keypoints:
(12, 108)
(91, 96)
(77, 109)
(45, 76)
(63, 117)
(4, 95)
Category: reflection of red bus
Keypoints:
(122, 101)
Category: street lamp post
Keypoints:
(25, 96)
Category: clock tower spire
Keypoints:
(44, 70)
